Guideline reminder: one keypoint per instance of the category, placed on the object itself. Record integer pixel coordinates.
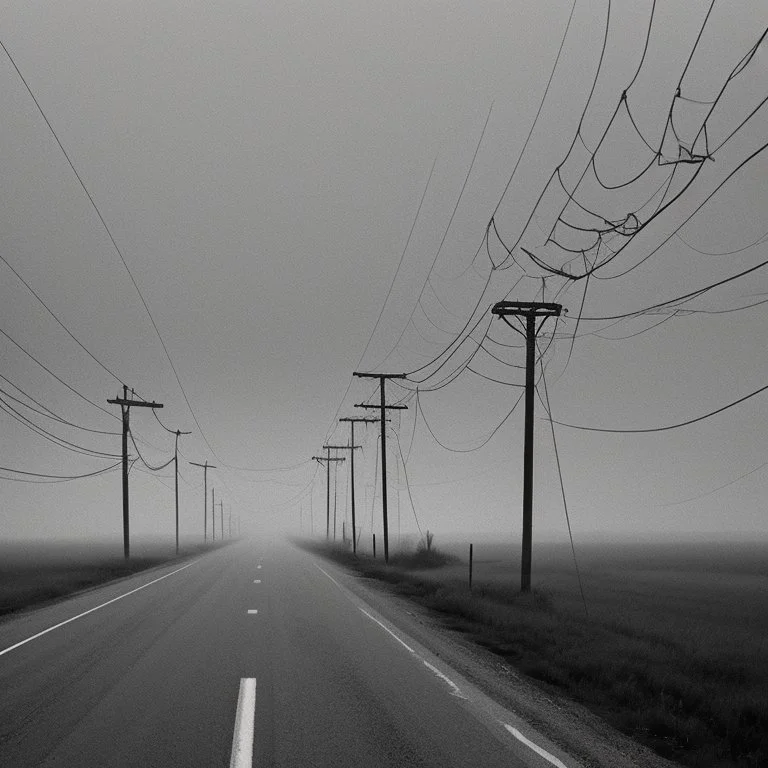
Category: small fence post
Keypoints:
(470, 567)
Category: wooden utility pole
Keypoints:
(530, 310)
(176, 468)
(125, 408)
(351, 448)
(221, 518)
(205, 467)
(382, 377)
(213, 513)
(327, 459)
(352, 423)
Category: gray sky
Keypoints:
(260, 166)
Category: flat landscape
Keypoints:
(669, 642)
(33, 573)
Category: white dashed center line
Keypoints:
(257, 581)
(252, 610)
(242, 739)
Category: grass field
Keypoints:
(673, 650)
(32, 574)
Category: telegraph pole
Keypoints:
(176, 467)
(351, 449)
(221, 518)
(205, 467)
(213, 513)
(327, 459)
(530, 310)
(382, 377)
(125, 407)
(352, 423)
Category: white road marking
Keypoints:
(85, 613)
(242, 738)
(455, 688)
(257, 581)
(252, 610)
(387, 629)
(322, 570)
(258, 566)
(535, 747)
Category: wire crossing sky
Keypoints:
(229, 210)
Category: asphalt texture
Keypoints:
(152, 678)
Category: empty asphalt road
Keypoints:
(245, 656)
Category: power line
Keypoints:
(669, 426)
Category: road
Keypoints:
(247, 656)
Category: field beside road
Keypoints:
(671, 648)
(32, 574)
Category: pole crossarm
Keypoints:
(204, 466)
(378, 407)
(537, 308)
(325, 458)
(362, 420)
(361, 375)
(342, 447)
(136, 404)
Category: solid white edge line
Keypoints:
(91, 610)
(322, 570)
(535, 747)
(455, 690)
(242, 737)
(252, 610)
(387, 629)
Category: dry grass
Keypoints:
(34, 575)
(673, 652)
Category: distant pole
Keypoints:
(221, 518)
(205, 467)
(530, 310)
(352, 423)
(470, 567)
(213, 513)
(382, 377)
(320, 459)
(374, 546)
(176, 467)
(125, 408)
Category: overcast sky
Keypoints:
(260, 167)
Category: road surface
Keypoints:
(246, 656)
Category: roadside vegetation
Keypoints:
(668, 665)
(32, 577)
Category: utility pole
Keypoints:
(176, 467)
(327, 459)
(125, 408)
(530, 310)
(382, 377)
(205, 467)
(351, 449)
(221, 518)
(213, 512)
(352, 423)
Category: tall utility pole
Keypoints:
(221, 518)
(176, 468)
(530, 310)
(352, 423)
(213, 513)
(125, 407)
(205, 467)
(327, 459)
(351, 448)
(382, 377)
